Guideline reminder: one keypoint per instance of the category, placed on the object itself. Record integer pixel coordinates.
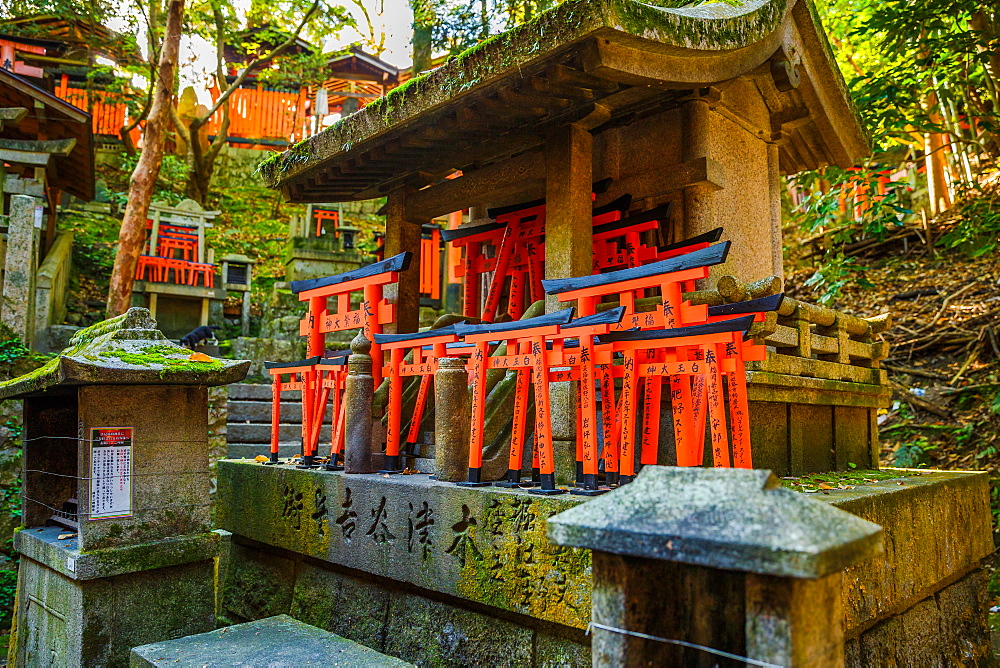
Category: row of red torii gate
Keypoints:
(630, 330)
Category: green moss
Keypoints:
(811, 482)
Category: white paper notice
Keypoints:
(110, 472)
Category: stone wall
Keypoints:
(481, 583)
(427, 571)
(51, 288)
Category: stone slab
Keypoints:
(251, 450)
(275, 642)
(64, 556)
(261, 433)
(729, 519)
(485, 544)
(792, 388)
(250, 391)
(938, 528)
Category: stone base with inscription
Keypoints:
(423, 570)
(438, 574)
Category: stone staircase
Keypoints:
(248, 427)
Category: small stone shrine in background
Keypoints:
(115, 547)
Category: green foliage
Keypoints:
(173, 173)
(977, 230)
(8, 590)
(833, 273)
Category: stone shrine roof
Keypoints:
(611, 60)
(127, 350)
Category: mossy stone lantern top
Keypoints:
(116, 435)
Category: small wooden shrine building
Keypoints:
(706, 106)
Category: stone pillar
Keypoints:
(245, 314)
(725, 559)
(21, 265)
(697, 199)
(402, 235)
(774, 196)
(451, 419)
(568, 252)
(116, 498)
(358, 392)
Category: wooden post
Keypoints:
(568, 252)
(403, 235)
(691, 561)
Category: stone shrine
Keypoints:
(115, 495)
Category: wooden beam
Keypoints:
(489, 185)
(529, 100)
(664, 180)
(556, 89)
(51, 146)
(33, 158)
(566, 75)
(12, 115)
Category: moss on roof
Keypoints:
(716, 26)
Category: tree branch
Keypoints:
(278, 50)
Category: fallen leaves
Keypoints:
(200, 357)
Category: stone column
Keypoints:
(725, 559)
(568, 252)
(402, 235)
(774, 196)
(245, 314)
(451, 419)
(358, 392)
(21, 264)
(698, 216)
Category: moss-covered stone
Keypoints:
(127, 349)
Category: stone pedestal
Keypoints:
(451, 420)
(115, 543)
(724, 559)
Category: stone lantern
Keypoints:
(115, 544)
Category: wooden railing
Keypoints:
(108, 117)
(255, 113)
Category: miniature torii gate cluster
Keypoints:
(612, 353)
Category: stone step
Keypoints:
(251, 450)
(241, 411)
(261, 433)
(250, 391)
(274, 641)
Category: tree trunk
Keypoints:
(423, 29)
(143, 180)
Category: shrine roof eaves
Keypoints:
(716, 42)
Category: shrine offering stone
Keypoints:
(275, 641)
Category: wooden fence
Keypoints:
(109, 117)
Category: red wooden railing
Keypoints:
(108, 116)
(255, 113)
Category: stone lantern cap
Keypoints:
(730, 519)
(127, 350)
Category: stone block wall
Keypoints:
(481, 585)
